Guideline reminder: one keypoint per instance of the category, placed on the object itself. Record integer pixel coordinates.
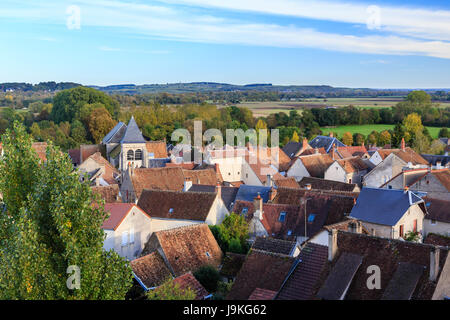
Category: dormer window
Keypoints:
(207, 254)
(170, 210)
(282, 216)
(311, 218)
(289, 232)
(245, 210)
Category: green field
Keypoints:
(263, 109)
(368, 128)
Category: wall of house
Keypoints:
(135, 222)
(126, 188)
(320, 238)
(433, 187)
(248, 175)
(378, 230)
(161, 224)
(298, 171)
(384, 171)
(336, 173)
(256, 229)
(230, 168)
(217, 213)
(438, 227)
(376, 158)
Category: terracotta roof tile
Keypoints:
(316, 164)
(262, 294)
(286, 182)
(41, 150)
(274, 245)
(189, 281)
(188, 248)
(177, 205)
(118, 212)
(158, 148)
(322, 184)
(352, 164)
(151, 269)
(437, 209)
(351, 151)
(260, 270)
(109, 194)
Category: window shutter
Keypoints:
(132, 235)
(124, 238)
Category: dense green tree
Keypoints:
(68, 104)
(49, 225)
(171, 290)
(235, 227)
(208, 276)
(444, 133)
(100, 123)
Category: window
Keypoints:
(170, 210)
(390, 187)
(245, 210)
(130, 155)
(124, 238)
(311, 218)
(207, 254)
(138, 155)
(349, 180)
(282, 216)
(151, 155)
(401, 231)
(289, 232)
(415, 225)
(131, 235)
(433, 222)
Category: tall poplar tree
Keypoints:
(49, 222)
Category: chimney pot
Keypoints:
(258, 204)
(331, 134)
(434, 263)
(332, 244)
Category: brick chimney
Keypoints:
(316, 151)
(333, 148)
(403, 144)
(332, 244)
(305, 144)
(434, 263)
(258, 204)
(272, 193)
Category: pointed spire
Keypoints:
(132, 134)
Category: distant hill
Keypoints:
(42, 86)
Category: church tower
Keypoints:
(133, 148)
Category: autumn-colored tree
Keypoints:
(295, 137)
(100, 123)
(384, 138)
(347, 139)
(48, 225)
(413, 123)
(372, 139)
(358, 139)
(421, 144)
(171, 290)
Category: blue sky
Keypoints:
(377, 44)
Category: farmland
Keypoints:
(367, 129)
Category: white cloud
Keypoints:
(188, 25)
(106, 48)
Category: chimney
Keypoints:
(363, 144)
(403, 144)
(269, 180)
(316, 151)
(218, 189)
(438, 165)
(216, 167)
(187, 184)
(358, 227)
(332, 151)
(258, 204)
(305, 144)
(434, 263)
(331, 134)
(272, 193)
(308, 186)
(406, 189)
(332, 244)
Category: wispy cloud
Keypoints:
(106, 48)
(404, 31)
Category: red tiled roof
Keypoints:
(311, 151)
(437, 240)
(151, 269)
(443, 176)
(260, 270)
(184, 205)
(88, 150)
(351, 151)
(437, 209)
(41, 150)
(189, 281)
(353, 164)
(188, 248)
(75, 155)
(409, 155)
(110, 172)
(158, 148)
(109, 194)
(118, 212)
(262, 294)
(286, 182)
(316, 164)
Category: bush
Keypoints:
(209, 277)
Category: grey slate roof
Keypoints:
(383, 206)
(132, 134)
(275, 245)
(404, 282)
(249, 193)
(228, 193)
(116, 134)
(340, 277)
(291, 148)
(158, 163)
(433, 159)
(325, 142)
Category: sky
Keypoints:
(343, 43)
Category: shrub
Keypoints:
(208, 276)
